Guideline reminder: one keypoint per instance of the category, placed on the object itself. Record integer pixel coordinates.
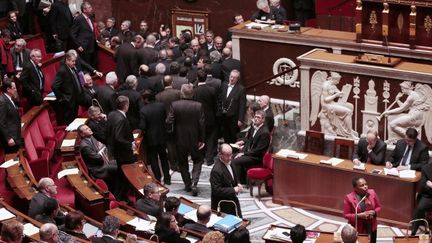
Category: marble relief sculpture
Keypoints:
(370, 113)
(415, 111)
(336, 113)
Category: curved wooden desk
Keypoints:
(308, 184)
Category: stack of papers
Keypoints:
(392, 172)
(142, 224)
(333, 161)
(278, 234)
(361, 166)
(30, 229)
(407, 174)
(67, 143)
(6, 214)
(73, 171)
(75, 124)
(192, 216)
(9, 163)
(287, 153)
(228, 224)
(253, 25)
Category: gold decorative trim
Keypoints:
(373, 19)
(400, 23)
(428, 25)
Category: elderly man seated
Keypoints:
(203, 217)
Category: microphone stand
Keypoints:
(356, 208)
(226, 201)
(416, 220)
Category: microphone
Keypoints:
(356, 208)
(226, 201)
(416, 220)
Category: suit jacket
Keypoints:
(36, 204)
(89, 150)
(235, 104)
(109, 32)
(152, 123)
(167, 96)
(372, 203)
(60, 20)
(269, 119)
(135, 105)
(222, 187)
(25, 56)
(66, 87)
(217, 70)
(156, 83)
(98, 129)
(83, 35)
(147, 55)
(228, 65)
(119, 138)
(15, 29)
(171, 237)
(149, 207)
(178, 81)
(105, 239)
(419, 154)
(426, 191)
(106, 97)
(87, 96)
(32, 79)
(197, 227)
(256, 146)
(377, 155)
(207, 96)
(126, 60)
(273, 15)
(186, 119)
(215, 83)
(10, 122)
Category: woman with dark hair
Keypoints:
(74, 224)
(12, 232)
(14, 26)
(167, 229)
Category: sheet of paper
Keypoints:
(68, 143)
(30, 229)
(392, 171)
(407, 174)
(213, 219)
(234, 145)
(192, 239)
(361, 166)
(141, 191)
(285, 152)
(73, 171)
(9, 163)
(147, 226)
(75, 124)
(277, 233)
(335, 161)
(6, 214)
(91, 230)
(256, 25)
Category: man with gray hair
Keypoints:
(156, 81)
(47, 189)
(126, 34)
(32, 78)
(151, 203)
(186, 120)
(110, 230)
(148, 54)
(49, 233)
(349, 234)
(135, 102)
(20, 55)
(267, 13)
(107, 94)
(97, 123)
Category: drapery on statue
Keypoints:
(336, 113)
(419, 106)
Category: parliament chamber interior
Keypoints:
(215, 121)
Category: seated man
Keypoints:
(298, 233)
(253, 146)
(74, 224)
(203, 217)
(47, 189)
(96, 156)
(151, 202)
(349, 234)
(89, 91)
(171, 206)
(110, 230)
(370, 150)
(266, 13)
(410, 153)
(12, 231)
(49, 233)
(50, 211)
(97, 122)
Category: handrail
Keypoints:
(253, 85)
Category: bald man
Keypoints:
(264, 102)
(224, 182)
(203, 217)
(47, 189)
(370, 150)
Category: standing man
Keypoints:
(232, 107)
(20, 55)
(125, 58)
(224, 182)
(107, 95)
(83, 34)
(67, 88)
(33, 79)
(410, 153)
(61, 18)
(120, 142)
(370, 150)
(135, 101)
(10, 120)
(186, 121)
(424, 198)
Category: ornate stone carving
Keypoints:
(373, 19)
(336, 113)
(428, 25)
(400, 23)
(281, 65)
(370, 109)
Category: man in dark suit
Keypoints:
(410, 153)
(83, 34)
(61, 22)
(264, 103)
(253, 147)
(177, 80)
(20, 55)
(280, 11)
(424, 198)
(267, 13)
(155, 83)
(110, 230)
(106, 94)
(148, 54)
(33, 79)
(186, 120)
(207, 96)
(203, 217)
(152, 124)
(229, 63)
(97, 122)
(47, 189)
(126, 58)
(96, 156)
(120, 142)
(10, 120)
(67, 88)
(370, 150)
(212, 81)
(135, 101)
(232, 107)
(151, 204)
(89, 91)
(110, 29)
(224, 182)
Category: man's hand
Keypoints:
(429, 183)
(99, 74)
(239, 123)
(240, 143)
(201, 145)
(11, 142)
(356, 162)
(388, 165)
(80, 49)
(239, 155)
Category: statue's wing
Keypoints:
(425, 91)
(317, 81)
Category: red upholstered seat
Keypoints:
(38, 42)
(113, 201)
(37, 157)
(260, 175)
(39, 142)
(48, 130)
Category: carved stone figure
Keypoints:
(419, 106)
(370, 113)
(336, 113)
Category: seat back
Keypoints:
(268, 161)
(49, 72)
(343, 148)
(29, 146)
(36, 135)
(314, 142)
(45, 124)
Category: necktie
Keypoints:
(19, 60)
(40, 76)
(405, 157)
(89, 22)
(77, 82)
